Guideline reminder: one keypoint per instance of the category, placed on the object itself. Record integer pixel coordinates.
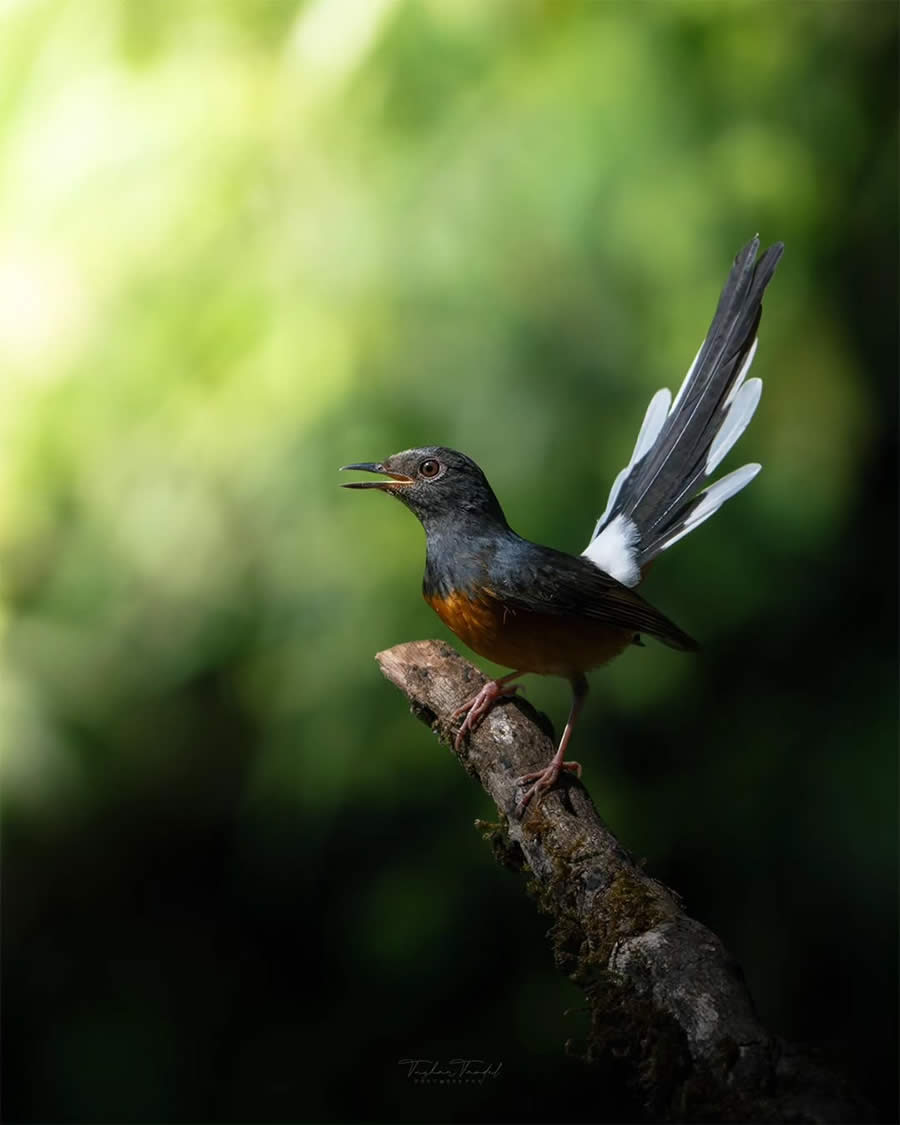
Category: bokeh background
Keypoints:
(243, 243)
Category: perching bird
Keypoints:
(535, 609)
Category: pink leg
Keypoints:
(545, 778)
(478, 706)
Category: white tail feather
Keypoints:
(653, 422)
(687, 379)
(613, 496)
(713, 499)
(736, 421)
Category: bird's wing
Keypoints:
(553, 583)
(657, 499)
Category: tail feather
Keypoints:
(654, 500)
(737, 419)
(710, 500)
(649, 432)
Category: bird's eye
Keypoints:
(430, 468)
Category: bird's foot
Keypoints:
(479, 705)
(543, 780)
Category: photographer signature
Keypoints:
(452, 1071)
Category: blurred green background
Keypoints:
(243, 243)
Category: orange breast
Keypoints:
(529, 642)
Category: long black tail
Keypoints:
(656, 499)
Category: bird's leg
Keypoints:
(543, 779)
(480, 703)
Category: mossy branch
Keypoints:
(662, 991)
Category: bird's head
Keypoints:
(435, 483)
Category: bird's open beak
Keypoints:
(370, 467)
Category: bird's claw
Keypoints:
(543, 780)
(478, 706)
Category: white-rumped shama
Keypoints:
(535, 609)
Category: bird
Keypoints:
(535, 609)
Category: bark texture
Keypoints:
(663, 993)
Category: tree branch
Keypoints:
(662, 990)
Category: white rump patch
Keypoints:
(614, 550)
